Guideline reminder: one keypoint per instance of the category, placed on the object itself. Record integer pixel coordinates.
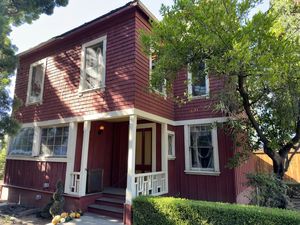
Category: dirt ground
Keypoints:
(16, 214)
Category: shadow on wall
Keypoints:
(264, 164)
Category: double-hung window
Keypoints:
(171, 144)
(36, 82)
(157, 86)
(198, 82)
(93, 65)
(54, 141)
(22, 143)
(201, 149)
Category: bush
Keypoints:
(268, 191)
(176, 211)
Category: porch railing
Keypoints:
(75, 182)
(150, 184)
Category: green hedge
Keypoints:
(176, 211)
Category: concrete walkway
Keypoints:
(93, 219)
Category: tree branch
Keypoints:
(247, 106)
(294, 141)
(288, 160)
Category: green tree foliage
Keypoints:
(15, 12)
(257, 57)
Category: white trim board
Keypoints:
(126, 113)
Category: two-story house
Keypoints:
(89, 120)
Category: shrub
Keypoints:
(268, 191)
(176, 211)
(58, 200)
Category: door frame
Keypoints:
(153, 128)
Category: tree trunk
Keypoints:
(278, 166)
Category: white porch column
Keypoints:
(84, 157)
(70, 155)
(164, 152)
(130, 190)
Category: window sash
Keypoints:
(93, 65)
(36, 82)
(54, 141)
(196, 145)
(171, 144)
(22, 143)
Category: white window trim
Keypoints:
(38, 150)
(173, 156)
(82, 66)
(40, 101)
(164, 91)
(188, 167)
(190, 88)
(153, 127)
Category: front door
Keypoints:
(143, 160)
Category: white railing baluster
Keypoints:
(150, 184)
(75, 182)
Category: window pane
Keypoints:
(199, 81)
(54, 143)
(21, 144)
(36, 83)
(170, 145)
(94, 66)
(156, 84)
(201, 147)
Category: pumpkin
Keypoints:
(56, 220)
(77, 215)
(64, 215)
(72, 215)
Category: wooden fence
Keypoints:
(264, 164)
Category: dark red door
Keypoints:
(143, 159)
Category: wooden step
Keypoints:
(106, 210)
(115, 202)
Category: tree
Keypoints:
(15, 12)
(257, 57)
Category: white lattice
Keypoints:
(75, 182)
(150, 183)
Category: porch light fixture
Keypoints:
(100, 129)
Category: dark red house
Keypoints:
(89, 120)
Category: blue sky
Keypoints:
(75, 14)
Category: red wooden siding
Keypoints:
(145, 100)
(197, 108)
(212, 188)
(61, 98)
(240, 175)
(33, 174)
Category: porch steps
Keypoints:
(111, 203)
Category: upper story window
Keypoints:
(36, 82)
(22, 143)
(198, 84)
(54, 141)
(159, 87)
(171, 145)
(202, 149)
(93, 65)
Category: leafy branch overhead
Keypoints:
(15, 12)
(258, 57)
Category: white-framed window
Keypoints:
(171, 144)
(201, 149)
(93, 65)
(21, 144)
(54, 141)
(160, 88)
(36, 82)
(198, 82)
